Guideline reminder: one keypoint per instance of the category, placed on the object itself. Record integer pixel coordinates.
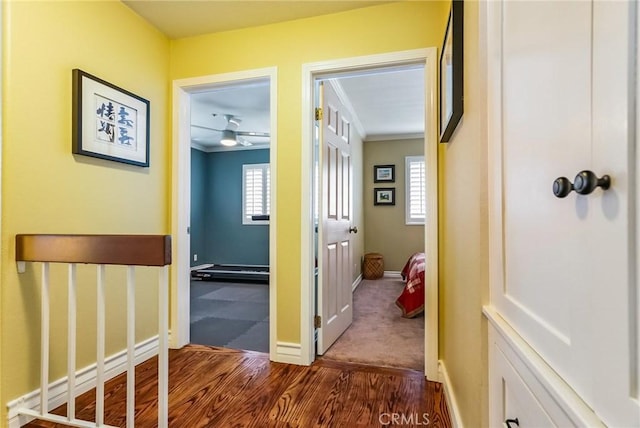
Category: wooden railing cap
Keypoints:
(131, 250)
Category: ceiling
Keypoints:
(388, 103)
(385, 105)
(186, 18)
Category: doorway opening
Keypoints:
(230, 181)
(383, 207)
(224, 198)
(312, 296)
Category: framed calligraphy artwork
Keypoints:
(109, 122)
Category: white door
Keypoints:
(560, 101)
(335, 297)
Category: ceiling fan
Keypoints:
(230, 134)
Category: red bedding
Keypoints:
(411, 301)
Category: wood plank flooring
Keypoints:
(216, 387)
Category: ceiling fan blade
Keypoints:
(244, 142)
(207, 128)
(253, 134)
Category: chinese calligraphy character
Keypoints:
(107, 128)
(106, 111)
(124, 137)
(123, 117)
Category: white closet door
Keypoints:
(563, 269)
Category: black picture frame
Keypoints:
(109, 122)
(384, 173)
(452, 72)
(384, 196)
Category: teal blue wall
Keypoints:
(198, 179)
(224, 238)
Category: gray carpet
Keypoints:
(230, 315)
(379, 334)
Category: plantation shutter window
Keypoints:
(256, 182)
(415, 190)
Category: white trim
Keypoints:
(310, 71)
(394, 274)
(561, 393)
(180, 214)
(287, 352)
(204, 266)
(452, 403)
(85, 381)
(394, 137)
(237, 148)
(356, 283)
(198, 146)
(431, 140)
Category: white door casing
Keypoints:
(310, 72)
(335, 295)
(563, 270)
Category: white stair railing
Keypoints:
(101, 250)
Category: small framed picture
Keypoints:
(384, 196)
(109, 122)
(384, 173)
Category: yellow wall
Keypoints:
(386, 28)
(386, 231)
(463, 231)
(46, 189)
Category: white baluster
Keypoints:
(44, 341)
(163, 348)
(100, 314)
(71, 345)
(131, 341)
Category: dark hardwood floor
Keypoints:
(216, 387)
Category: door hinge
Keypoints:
(317, 321)
(318, 113)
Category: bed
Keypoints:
(411, 301)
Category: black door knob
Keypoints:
(586, 182)
(562, 187)
(353, 229)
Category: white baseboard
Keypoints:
(452, 403)
(392, 274)
(208, 265)
(356, 283)
(290, 353)
(85, 381)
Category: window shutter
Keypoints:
(255, 194)
(415, 190)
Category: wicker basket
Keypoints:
(373, 266)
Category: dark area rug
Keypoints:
(379, 335)
(230, 315)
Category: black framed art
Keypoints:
(384, 196)
(384, 173)
(109, 122)
(451, 72)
